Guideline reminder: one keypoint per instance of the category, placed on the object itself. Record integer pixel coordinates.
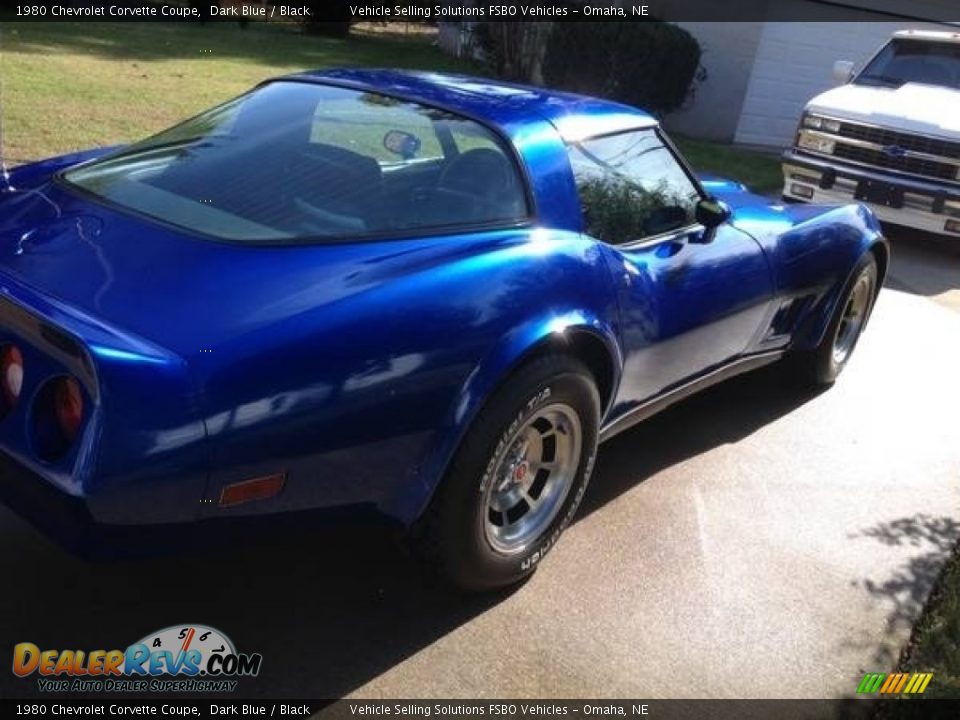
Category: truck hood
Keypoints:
(912, 108)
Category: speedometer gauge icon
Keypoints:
(181, 639)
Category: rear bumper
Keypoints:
(64, 518)
(928, 206)
(67, 521)
(140, 457)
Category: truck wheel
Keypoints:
(518, 477)
(824, 364)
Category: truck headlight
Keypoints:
(818, 122)
(809, 141)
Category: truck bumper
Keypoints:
(895, 199)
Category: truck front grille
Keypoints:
(913, 166)
(908, 153)
(888, 138)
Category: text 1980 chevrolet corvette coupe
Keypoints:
(425, 293)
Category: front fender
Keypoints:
(822, 253)
(813, 249)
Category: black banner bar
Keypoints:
(478, 10)
(503, 709)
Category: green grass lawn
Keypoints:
(760, 171)
(68, 86)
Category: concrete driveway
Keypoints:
(926, 266)
(755, 541)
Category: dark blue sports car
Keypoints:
(427, 294)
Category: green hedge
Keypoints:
(652, 65)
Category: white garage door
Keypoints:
(793, 63)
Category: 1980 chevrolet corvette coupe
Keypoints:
(429, 294)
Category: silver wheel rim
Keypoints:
(531, 478)
(851, 323)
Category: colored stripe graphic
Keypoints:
(891, 681)
(871, 682)
(923, 679)
(894, 683)
(901, 682)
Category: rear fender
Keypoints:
(142, 455)
(31, 175)
(556, 331)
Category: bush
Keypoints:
(617, 210)
(512, 50)
(652, 65)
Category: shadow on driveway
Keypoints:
(725, 414)
(925, 264)
(906, 590)
(329, 608)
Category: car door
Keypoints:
(691, 299)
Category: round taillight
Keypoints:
(11, 377)
(57, 417)
(11, 374)
(68, 404)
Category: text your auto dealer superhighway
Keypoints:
(120, 11)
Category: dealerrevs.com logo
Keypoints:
(179, 658)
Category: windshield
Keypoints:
(302, 161)
(914, 61)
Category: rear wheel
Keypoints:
(824, 364)
(518, 477)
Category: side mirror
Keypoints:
(711, 212)
(402, 143)
(842, 71)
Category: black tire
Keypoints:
(454, 531)
(822, 365)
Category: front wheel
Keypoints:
(518, 477)
(824, 364)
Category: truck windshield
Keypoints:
(914, 61)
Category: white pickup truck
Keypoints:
(889, 136)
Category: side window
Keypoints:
(470, 136)
(379, 163)
(388, 130)
(479, 181)
(631, 187)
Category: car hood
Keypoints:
(913, 108)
